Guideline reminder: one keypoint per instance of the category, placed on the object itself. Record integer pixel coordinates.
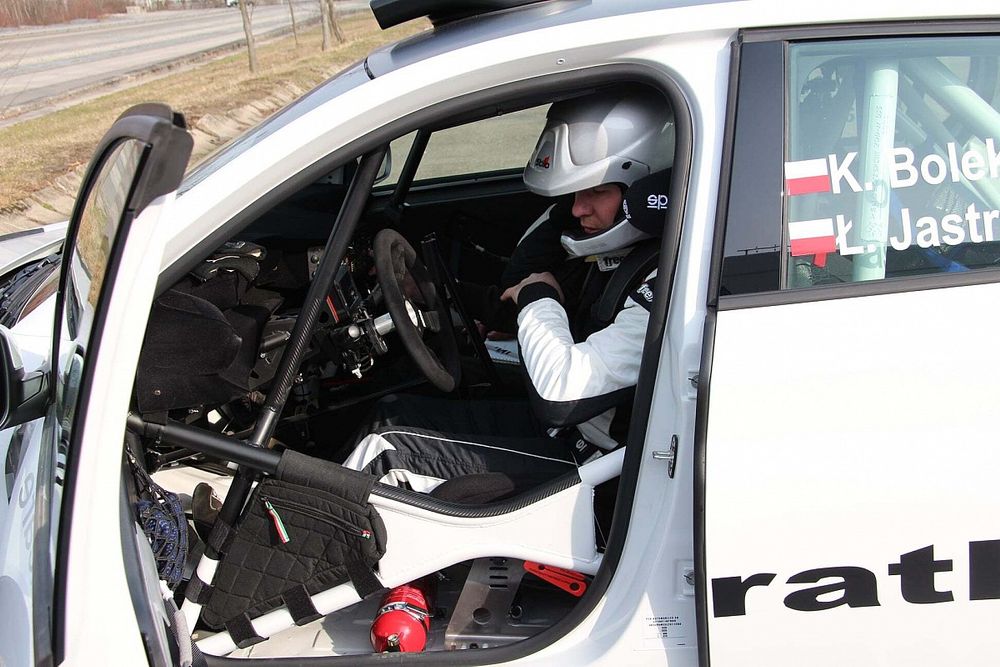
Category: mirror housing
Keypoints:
(385, 168)
(24, 395)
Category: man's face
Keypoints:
(597, 207)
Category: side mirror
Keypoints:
(25, 395)
(385, 168)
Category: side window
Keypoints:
(494, 144)
(892, 159)
(500, 143)
(751, 254)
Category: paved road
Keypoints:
(41, 64)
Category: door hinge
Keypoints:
(670, 456)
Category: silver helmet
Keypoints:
(619, 136)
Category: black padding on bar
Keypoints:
(364, 580)
(300, 605)
(241, 630)
(309, 471)
(219, 536)
(197, 591)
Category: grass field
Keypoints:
(36, 152)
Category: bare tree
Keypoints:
(328, 18)
(324, 9)
(295, 30)
(331, 15)
(247, 14)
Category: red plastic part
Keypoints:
(403, 620)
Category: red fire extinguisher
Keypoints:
(403, 619)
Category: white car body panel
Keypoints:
(17, 523)
(20, 248)
(846, 446)
(648, 615)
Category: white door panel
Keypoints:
(844, 434)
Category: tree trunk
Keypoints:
(248, 31)
(324, 11)
(295, 30)
(331, 15)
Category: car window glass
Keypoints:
(751, 250)
(892, 164)
(494, 144)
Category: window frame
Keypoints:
(729, 190)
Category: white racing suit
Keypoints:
(419, 442)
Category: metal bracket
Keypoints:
(481, 615)
(670, 456)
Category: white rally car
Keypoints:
(810, 475)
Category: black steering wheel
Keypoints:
(418, 311)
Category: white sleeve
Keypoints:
(562, 371)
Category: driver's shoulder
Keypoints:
(644, 293)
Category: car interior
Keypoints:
(258, 374)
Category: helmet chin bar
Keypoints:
(618, 236)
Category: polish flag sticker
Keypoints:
(813, 237)
(807, 176)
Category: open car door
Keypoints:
(110, 265)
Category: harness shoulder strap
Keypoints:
(625, 279)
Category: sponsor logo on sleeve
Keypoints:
(643, 296)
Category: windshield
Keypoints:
(348, 79)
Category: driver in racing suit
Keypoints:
(595, 148)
